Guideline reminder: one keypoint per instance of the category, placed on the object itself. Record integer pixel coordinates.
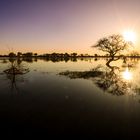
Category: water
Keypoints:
(81, 96)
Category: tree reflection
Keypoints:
(14, 70)
(112, 82)
(111, 79)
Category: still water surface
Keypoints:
(82, 96)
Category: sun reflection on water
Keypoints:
(127, 75)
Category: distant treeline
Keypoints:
(54, 55)
(64, 55)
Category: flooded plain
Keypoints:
(78, 96)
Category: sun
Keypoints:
(129, 36)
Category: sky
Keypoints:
(46, 26)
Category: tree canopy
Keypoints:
(112, 45)
(11, 54)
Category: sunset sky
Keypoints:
(46, 26)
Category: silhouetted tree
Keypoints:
(35, 54)
(66, 55)
(19, 54)
(74, 54)
(11, 54)
(112, 45)
(95, 55)
(28, 54)
(14, 69)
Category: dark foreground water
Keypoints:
(82, 97)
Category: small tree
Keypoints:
(112, 45)
(28, 54)
(74, 54)
(19, 54)
(95, 55)
(35, 54)
(11, 54)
